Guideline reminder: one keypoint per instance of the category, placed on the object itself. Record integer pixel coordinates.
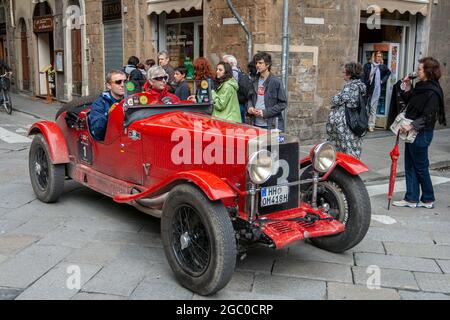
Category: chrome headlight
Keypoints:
(260, 166)
(324, 157)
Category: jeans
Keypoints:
(373, 114)
(243, 109)
(417, 168)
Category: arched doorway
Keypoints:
(25, 59)
(43, 28)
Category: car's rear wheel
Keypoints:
(199, 240)
(346, 198)
(47, 179)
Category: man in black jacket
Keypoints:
(376, 75)
(268, 97)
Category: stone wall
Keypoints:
(439, 45)
(94, 32)
(317, 51)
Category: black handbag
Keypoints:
(358, 118)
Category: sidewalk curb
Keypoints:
(401, 174)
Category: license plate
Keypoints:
(274, 195)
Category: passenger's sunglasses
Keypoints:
(164, 78)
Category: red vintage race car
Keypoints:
(219, 187)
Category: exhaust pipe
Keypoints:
(153, 202)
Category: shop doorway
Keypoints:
(396, 39)
(181, 34)
(24, 56)
(43, 29)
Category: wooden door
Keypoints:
(25, 64)
(77, 79)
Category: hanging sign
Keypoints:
(43, 24)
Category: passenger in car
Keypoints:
(159, 90)
(98, 117)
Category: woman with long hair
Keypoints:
(425, 106)
(376, 76)
(225, 98)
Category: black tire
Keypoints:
(204, 271)
(349, 203)
(8, 103)
(47, 179)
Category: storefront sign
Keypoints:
(43, 24)
(112, 10)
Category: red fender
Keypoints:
(214, 187)
(59, 153)
(345, 161)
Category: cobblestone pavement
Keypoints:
(119, 251)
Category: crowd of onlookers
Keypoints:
(259, 98)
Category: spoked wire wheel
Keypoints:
(190, 242)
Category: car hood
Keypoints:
(195, 122)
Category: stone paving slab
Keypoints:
(104, 224)
(308, 252)
(96, 253)
(39, 226)
(30, 264)
(8, 225)
(242, 296)
(396, 262)
(9, 294)
(295, 288)
(410, 295)
(119, 278)
(256, 263)
(69, 237)
(418, 250)
(16, 199)
(399, 235)
(119, 237)
(313, 270)
(369, 246)
(53, 285)
(441, 238)
(3, 258)
(11, 244)
(439, 283)
(96, 296)
(445, 265)
(397, 279)
(160, 290)
(343, 291)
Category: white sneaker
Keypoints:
(429, 205)
(404, 204)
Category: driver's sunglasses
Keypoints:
(164, 78)
(119, 82)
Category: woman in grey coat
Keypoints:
(338, 131)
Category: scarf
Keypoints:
(375, 76)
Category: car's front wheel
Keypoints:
(199, 240)
(345, 197)
(47, 179)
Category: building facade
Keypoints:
(83, 39)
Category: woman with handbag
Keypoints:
(425, 105)
(339, 133)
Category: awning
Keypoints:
(411, 6)
(158, 6)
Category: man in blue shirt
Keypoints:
(98, 117)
